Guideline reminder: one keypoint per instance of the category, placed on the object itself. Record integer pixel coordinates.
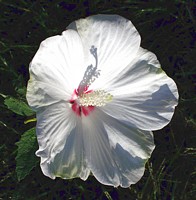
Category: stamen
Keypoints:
(96, 98)
(90, 74)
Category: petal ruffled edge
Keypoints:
(143, 95)
(115, 153)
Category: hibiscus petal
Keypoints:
(61, 143)
(116, 152)
(143, 95)
(116, 39)
(56, 69)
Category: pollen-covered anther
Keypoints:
(96, 98)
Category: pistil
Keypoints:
(83, 100)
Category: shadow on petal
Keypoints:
(70, 162)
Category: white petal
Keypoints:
(116, 152)
(61, 143)
(56, 69)
(143, 95)
(116, 39)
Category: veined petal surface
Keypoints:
(56, 69)
(143, 94)
(116, 152)
(117, 42)
(60, 141)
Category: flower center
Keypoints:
(83, 100)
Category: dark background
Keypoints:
(167, 28)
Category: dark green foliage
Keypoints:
(26, 159)
(17, 106)
(167, 28)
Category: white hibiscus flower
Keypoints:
(98, 95)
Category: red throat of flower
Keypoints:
(79, 109)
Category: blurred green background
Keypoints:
(167, 28)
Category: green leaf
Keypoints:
(26, 159)
(21, 91)
(17, 106)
